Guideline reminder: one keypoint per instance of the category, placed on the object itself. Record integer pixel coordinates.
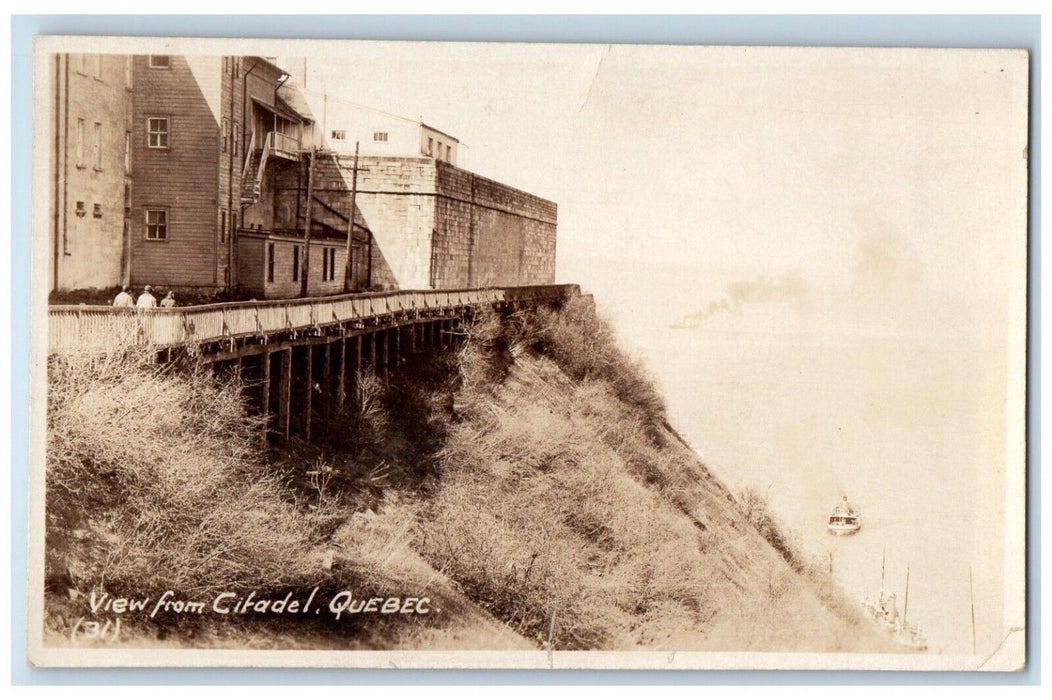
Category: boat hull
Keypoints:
(844, 529)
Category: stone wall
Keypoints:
(442, 227)
(489, 234)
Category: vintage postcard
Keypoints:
(462, 355)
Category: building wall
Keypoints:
(184, 178)
(396, 198)
(258, 80)
(442, 227)
(435, 144)
(254, 260)
(87, 197)
(489, 234)
(332, 204)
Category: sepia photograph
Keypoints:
(527, 355)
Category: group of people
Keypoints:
(146, 300)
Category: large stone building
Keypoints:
(207, 161)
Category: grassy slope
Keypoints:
(529, 485)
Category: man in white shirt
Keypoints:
(146, 300)
(124, 299)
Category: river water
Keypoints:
(806, 408)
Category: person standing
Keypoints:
(146, 299)
(169, 300)
(124, 299)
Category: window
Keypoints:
(339, 135)
(81, 211)
(156, 224)
(157, 132)
(96, 211)
(237, 140)
(160, 62)
(96, 146)
(270, 262)
(328, 264)
(233, 222)
(222, 225)
(235, 66)
(430, 146)
(98, 66)
(80, 143)
(295, 263)
(225, 135)
(447, 154)
(379, 136)
(127, 152)
(129, 67)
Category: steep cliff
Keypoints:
(527, 485)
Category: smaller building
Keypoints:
(271, 265)
(379, 133)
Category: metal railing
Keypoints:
(104, 328)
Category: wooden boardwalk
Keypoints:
(300, 357)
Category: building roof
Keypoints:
(439, 131)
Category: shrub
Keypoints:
(585, 347)
(156, 480)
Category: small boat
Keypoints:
(845, 519)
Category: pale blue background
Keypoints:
(832, 30)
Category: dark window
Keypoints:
(339, 134)
(157, 132)
(295, 263)
(379, 136)
(222, 225)
(324, 264)
(270, 262)
(225, 136)
(156, 224)
(160, 62)
(97, 211)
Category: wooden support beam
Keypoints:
(398, 346)
(341, 373)
(264, 393)
(356, 367)
(308, 391)
(412, 337)
(327, 394)
(285, 393)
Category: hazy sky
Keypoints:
(687, 168)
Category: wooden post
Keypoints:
(305, 260)
(285, 393)
(264, 396)
(326, 384)
(397, 347)
(348, 270)
(372, 351)
(341, 373)
(305, 369)
(412, 337)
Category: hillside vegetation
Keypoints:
(527, 483)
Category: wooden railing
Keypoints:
(103, 328)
